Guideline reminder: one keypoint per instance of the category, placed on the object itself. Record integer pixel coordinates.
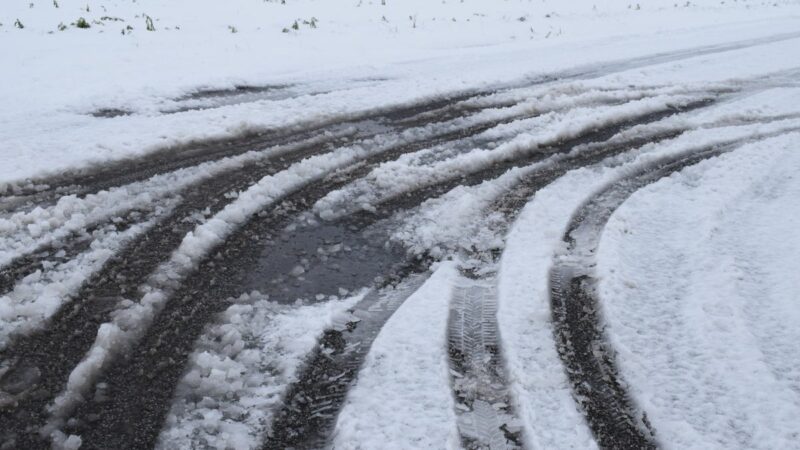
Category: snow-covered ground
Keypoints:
(696, 286)
(402, 399)
(698, 280)
(360, 55)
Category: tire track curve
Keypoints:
(300, 427)
(237, 255)
(311, 405)
(113, 173)
(72, 337)
(46, 358)
(149, 357)
(578, 326)
(117, 173)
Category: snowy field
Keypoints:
(399, 224)
(361, 55)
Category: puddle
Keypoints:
(108, 113)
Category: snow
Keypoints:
(27, 231)
(535, 371)
(455, 221)
(413, 171)
(240, 369)
(696, 271)
(38, 296)
(536, 376)
(132, 319)
(698, 285)
(402, 398)
(361, 56)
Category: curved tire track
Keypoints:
(312, 403)
(125, 171)
(478, 379)
(117, 173)
(486, 418)
(298, 424)
(52, 353)
(154, 366)
(589, 360)
(197, 301)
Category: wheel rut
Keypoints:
(598, 388)
(239, 258)
(486, 416)
(312, 405)
(126, 171)
(56, 349)
(286, 252)
(169, 159)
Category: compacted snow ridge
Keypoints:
(549, 415)
(457, 220)
(401, 399)
(697, 279)
(312, 405)
(240, 369)
(36, 297)
(132, 320)
(581, 344)
(395, 177)
(28, 231)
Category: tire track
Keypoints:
(60, 251)
(126, 171)
(46, 358)
(70, 337)
(589, 359)
(590, 147)
(129, 421)
(297, 424)
(53, 352)
(486, 418)
(240, 253)
(312, 404)
(250, 174)
(486, 415)
(485, 410)
(24, 264)
(33, 412)
(112, 174)
(156, 364)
